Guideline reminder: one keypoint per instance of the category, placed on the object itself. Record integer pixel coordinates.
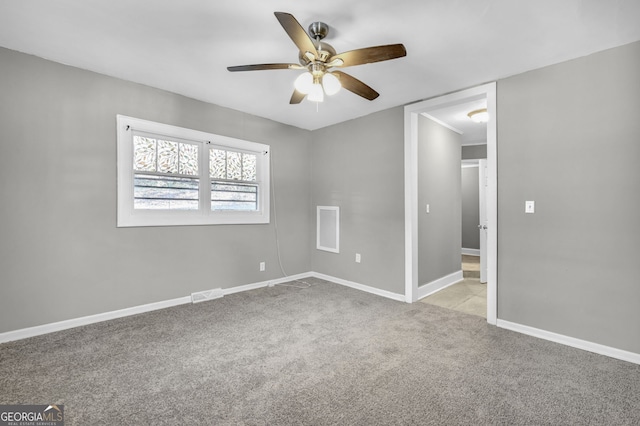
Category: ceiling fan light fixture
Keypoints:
(316, 94)
(304, 83)
(479, 115)
(331, 84)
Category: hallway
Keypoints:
(467, 296)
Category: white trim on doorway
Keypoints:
(411, 113)
(471, 251)
(439, 284)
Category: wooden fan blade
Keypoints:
(354, 85)
(369, 55)
(259, 67)
(297, 97)
(296, 33)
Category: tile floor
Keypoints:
(470, 266)
(468, 296)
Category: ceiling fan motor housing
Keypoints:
(318, 30)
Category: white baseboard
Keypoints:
(423, 291)
(471, 252)
(90, 319)
(261, 284)
(362, 287)
(571, 341)
(105, 316)
(437, 285)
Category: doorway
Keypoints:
(474, 209)
(473, 213)
(487, 92)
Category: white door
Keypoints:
(482, 226)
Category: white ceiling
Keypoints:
(457, 119)
(184, 46)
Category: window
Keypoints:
(233, 180)
(170, 175)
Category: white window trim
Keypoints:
(127, 216)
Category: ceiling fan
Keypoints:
(318, 58)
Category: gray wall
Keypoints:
(569, 139)
(470, 208)
(474, 152)
(439, 185)
(359, 166)
(61, 254)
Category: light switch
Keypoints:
(529, 206)
(427, 208)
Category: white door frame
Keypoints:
(411, 113)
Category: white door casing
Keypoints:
(411, 113)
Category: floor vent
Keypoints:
(203, 296)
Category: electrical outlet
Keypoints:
(263, 266)
(358, 258)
